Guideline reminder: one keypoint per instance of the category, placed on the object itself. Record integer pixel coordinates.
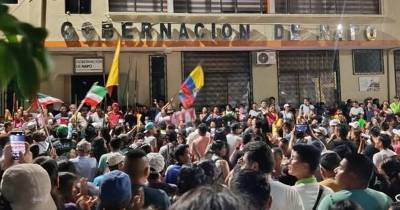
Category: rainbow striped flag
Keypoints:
(191, 87)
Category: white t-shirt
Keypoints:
(309, 193)
(306, 109)
(379, 157)
(232, 142)
(284, 197)
(356, 111)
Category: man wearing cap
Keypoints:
(114, 116)
(233, 138)
(115, 161)
(63, 145)
(115, 191)
(149, 138)
(27, 186)
(287, 115)
(85, 165)
(136, 165)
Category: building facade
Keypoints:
(325, 50)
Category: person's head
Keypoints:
(115, 144)
(375, 131)
(207, 197)
(99, 147)
(329, 161)
(115, 107)
(391, 168)
(355, 104)
(382, 142)
(278, 156)
(306, 101)
(67, 186)
(342, 130)
(216, 110)
(286, 107)
(190, 178)
(209, 169)
(63, 109)
(171, 136)
(136, 165)
(66, 166)
(219, 148)
(236, 128)
(258, 157)
(202, 129)
(115, 191)
(27, 186)
(204, 110)
(181, 154)
(150, 129)
(354, 172)
(396, 99)
(115, 161)
(157, 164)
(253, 188)
(62, 131)
(304, 161)
(345, 205)
(50, 166)
(254, 106)
(72, 108)
(83, 147)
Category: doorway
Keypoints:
(81, 84)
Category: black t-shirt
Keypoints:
(342, 146)
(370, 150)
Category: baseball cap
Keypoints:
(396, 132)
(62, 130)
(156, 161)
(321, 130)
(115, 191)
(148, 126)
(354, 125)
(27, 186)
(286, 105)
(115, 159)
(334, 122)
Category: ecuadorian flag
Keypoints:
(191, 86)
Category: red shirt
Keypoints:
(113, 118)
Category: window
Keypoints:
(137, 5)
(9, 1)
(368, 61)
(218, 6)
(78, 6)
(308, 74)
(157, 77)
(327, 6)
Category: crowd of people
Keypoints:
(309, 157)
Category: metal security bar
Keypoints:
(137, 5)
(328, 6)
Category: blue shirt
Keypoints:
(172, 173)
(86, 166)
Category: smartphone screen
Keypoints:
(17, 140)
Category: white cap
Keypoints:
(354, 125)
(396, 132)
(334, 122)
(286, 105)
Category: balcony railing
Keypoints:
(188, 6)
(249, 6)
(327, 6)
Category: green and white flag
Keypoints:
(95, 95)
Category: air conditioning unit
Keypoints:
(265, 58)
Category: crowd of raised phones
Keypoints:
(308, 157)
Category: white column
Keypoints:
(170, 6)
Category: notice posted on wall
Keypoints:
(369, 84)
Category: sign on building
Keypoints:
(88, 65)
